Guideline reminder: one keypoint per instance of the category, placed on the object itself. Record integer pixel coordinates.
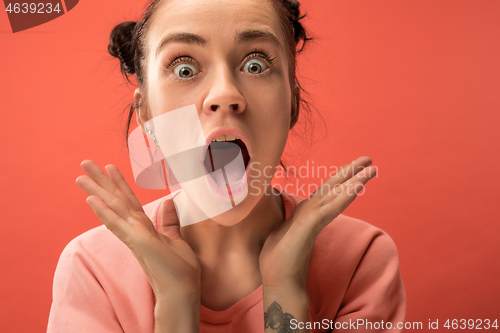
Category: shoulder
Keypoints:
(353, 237)
(99, 286)
(347, 245)
(354, 267)
(93, 255)
(348, 235)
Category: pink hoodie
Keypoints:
(353, 278)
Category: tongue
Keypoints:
(220, 155)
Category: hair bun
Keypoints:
(120, 45)
(299, 32)
(293, 7)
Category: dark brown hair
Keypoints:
(127, 42)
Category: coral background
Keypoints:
(412, 84)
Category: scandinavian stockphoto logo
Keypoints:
(28, 14)
(174, 153)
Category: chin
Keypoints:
(238, 213)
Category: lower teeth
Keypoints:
(232, 183)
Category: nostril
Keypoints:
(214, 107)
(234, 107)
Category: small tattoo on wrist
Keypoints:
(278, 321)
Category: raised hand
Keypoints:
(284, 259)
(170, 264)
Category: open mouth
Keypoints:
(221, 153)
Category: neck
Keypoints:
(212, 241)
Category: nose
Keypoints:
(224, 95)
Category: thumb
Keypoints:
(169, 221)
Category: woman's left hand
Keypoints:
(284, 259)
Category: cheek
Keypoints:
(271, 124)
(156, 102)
(276, 113)
(162, 98)
(272, 102)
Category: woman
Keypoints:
(274, 262)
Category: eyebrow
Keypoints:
(184, 37)
(251, 35)
(242, 37)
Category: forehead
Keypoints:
(215, 20)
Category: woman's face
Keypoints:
(227, 57)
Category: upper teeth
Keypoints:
(225, 137)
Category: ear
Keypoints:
(141, 112)
(295, 105)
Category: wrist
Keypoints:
(285, 287)
(192, 297)
(177, 315)
(295, 293)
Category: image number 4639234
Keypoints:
(28, 14)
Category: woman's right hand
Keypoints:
(170, 264)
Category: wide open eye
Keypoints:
(255, 66)
(185, 71)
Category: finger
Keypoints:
(117, 177)
(334, 208)
(100, 178)
(345, 172)
(119, 227)
(361, 177)
(169, 224)
(116, 204)
(143, 245)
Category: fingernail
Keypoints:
(369, 172)
(367, 162)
